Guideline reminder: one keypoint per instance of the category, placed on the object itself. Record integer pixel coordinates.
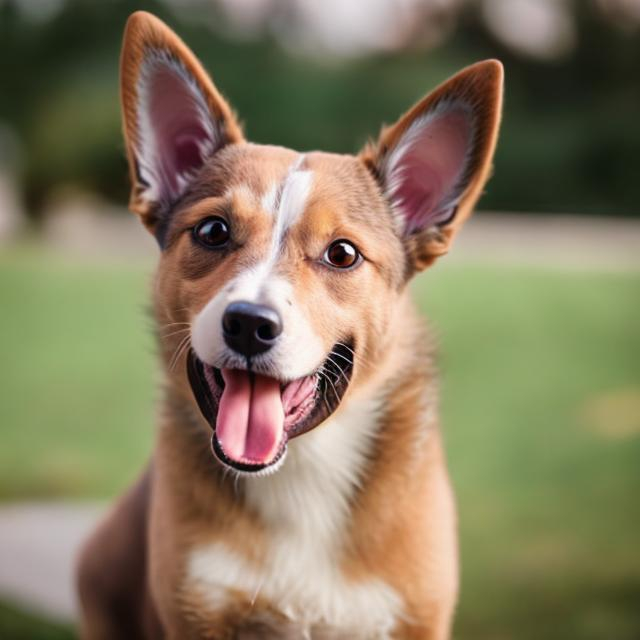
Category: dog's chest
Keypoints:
(297, 593)
(298, 588)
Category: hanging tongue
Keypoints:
(250, 421)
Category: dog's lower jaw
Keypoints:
(288, 409)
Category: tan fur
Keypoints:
(401, 527)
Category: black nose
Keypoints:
(250, 328)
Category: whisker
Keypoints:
(184, 349)
(362, 357)
(173, 324)
(182, 346)
(346, 346)
(324, 373)
(335, 353)
(324, 392)
(338, 367)
(174, 333)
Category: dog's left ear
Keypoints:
(433, 163)
(173, 116)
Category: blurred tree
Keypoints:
(569, 144)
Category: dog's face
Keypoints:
(280, 271)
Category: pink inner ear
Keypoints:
(426, 167)
(178, 127)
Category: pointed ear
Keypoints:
(433, 163)
(173, 116)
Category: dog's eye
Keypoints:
(211, 232)
(341, 254)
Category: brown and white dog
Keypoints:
(298, 488)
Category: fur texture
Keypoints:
(351, 534)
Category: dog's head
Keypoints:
(280, 271)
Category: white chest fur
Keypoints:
(305, 506)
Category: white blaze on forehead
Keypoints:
(295, 192)
(288, 200)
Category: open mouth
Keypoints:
(253, 416)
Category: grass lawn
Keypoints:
(541, 405)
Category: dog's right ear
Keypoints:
(433, 163)
(173, 116)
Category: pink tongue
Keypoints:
(250, 420)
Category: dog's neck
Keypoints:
(313, 490)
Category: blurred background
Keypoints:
(537, 308)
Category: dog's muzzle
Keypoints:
(253, 416)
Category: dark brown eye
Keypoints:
(211, 232)
(341, 254)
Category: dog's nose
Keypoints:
(250, 328)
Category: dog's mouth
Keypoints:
(253, 416)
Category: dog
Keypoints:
(298, 486)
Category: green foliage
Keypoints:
(569, 141)
(541, 398)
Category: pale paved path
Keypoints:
(554, 241)
(38, 544)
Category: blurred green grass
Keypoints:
(18, 625)
(78, 394)
(541, 406)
